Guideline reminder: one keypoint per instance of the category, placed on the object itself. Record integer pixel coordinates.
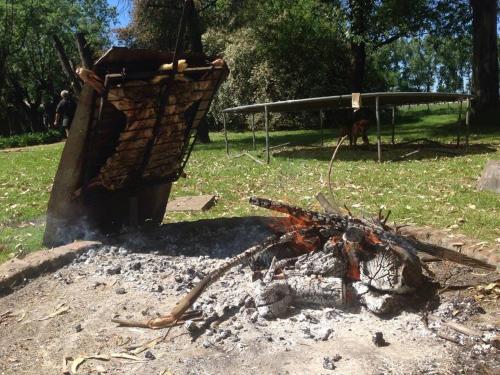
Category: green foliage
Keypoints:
(427, 63)
(31, 139)
(292, 51)
(30, 73)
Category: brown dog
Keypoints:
(358, 129)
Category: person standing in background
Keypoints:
(65, 111)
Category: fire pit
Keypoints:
(61, 321)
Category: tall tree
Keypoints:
(485, 55)
(155, 24)
(30, 75)
(372, 24)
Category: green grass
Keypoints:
(429, 187)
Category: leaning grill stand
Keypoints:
(130, 143)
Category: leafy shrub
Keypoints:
(31, 139)
(290, 53)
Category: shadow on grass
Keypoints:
(397, 152)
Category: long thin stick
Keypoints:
(178, 313)
(330, 166)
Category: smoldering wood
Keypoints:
(341, 222)
(273, 299)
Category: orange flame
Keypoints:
(302, 244)
(372, 238)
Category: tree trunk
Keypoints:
(484, 58)
(66, 65)
(358, 59)
(84, 51)
(360, 9)
(194, 25)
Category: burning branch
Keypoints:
(374, 230)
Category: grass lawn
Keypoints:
(428, 187)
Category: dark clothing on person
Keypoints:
(66, 109)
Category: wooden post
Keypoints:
(459, 123)
(379, 146)
(393, 122)
(253, 131)
(467, 125)
(321, 126)
(225, 133)
(266, 124)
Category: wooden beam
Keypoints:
(253, 131)
(393, 123)
(467, 125)
(266, 123)
(379, 142)
(225, 133)
(459, 123)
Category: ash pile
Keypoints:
(318, 280)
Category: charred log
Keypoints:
(410, 246)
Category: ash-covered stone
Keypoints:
(123, 251)
(136, 266)
(157, 288)
(207, 344)
(120, 291)
(379, 303)
(324, 334)
(178, 278)
(190, 326)
(328, 363)
(378, 339)
(149, 355)
(114, 270)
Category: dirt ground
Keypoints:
(68, 314)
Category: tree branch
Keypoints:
(66, 65)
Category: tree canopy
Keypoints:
(276, 49)
(30, 74)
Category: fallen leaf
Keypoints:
(79, 360)
(60, 310)
(124, 341)
(490, 287)
(126, 356)
(76, 363)
(149, 345)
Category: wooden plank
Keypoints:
(193, 203)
